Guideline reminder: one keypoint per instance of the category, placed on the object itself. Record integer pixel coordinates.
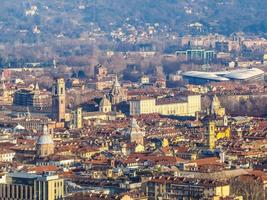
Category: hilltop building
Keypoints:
(100, 72)
(205, 56)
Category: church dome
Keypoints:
(105, 102)
(45, 144)
(45, 139)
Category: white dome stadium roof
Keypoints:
(243, 74)
(239, 74)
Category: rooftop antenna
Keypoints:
(54, 63)
(45, 130)
(36, 86)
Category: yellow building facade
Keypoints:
(222, 191)
(213, 134)
(139, 148)
(5, 96)
(53, 185)
(226, 133)
(265, 59)
(210, 135)
(32, 187)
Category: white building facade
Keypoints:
(148, 105)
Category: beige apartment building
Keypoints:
(6, 155)
(181, 188)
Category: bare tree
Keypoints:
(248, 186)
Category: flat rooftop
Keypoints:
(24, 175)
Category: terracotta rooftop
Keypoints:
(187, 181)
(41, 169)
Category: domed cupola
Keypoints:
(45, 144)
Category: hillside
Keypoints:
(72, 17)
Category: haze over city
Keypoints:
(133, 100)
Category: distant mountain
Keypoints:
(72, 17)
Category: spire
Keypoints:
(215, 104)
(117, 94)
(104, 100)
(116, 82)
(105, 97)
(28, 113)
(215, 98)
(134, 123)
(135, 129)
(45, 130)
(165, 143)
(4, 86)
(116, 86)
(136, 134)
(36, 86)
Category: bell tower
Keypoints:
(136, 134)
(210, 135)
(58, 100)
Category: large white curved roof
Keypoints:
(240, 74)
(205, 75)
(243, 74)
